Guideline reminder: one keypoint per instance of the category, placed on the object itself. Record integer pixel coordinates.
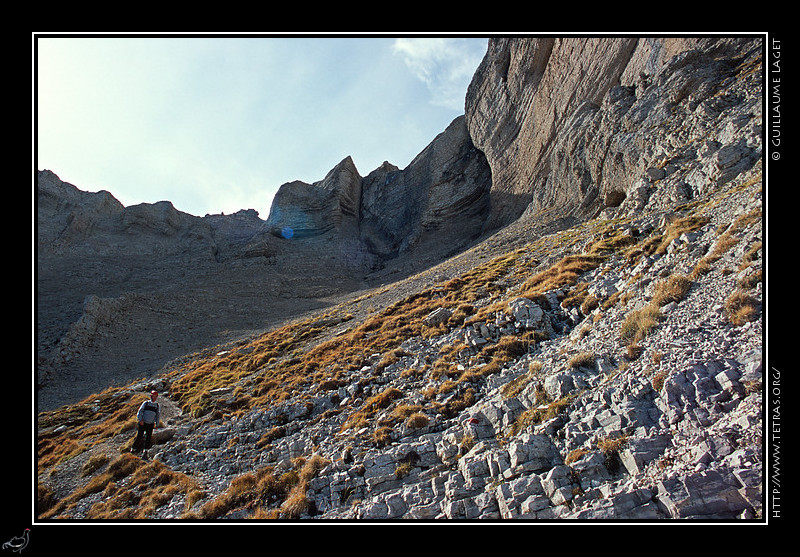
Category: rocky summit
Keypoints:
(555, 312)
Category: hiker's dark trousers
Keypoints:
(143, 437)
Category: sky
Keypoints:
(216, 124)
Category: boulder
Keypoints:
(706, 494)
(437, 317)
(533, 453)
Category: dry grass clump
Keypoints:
(678, 227)
(517, 385)
(296, 502)
(584, 359)
(262, 489)
(404, 411)
(639, 323)
(417, 420)
(56, 449)
(612, 445)
(615, 241)
(658, 380)
(371, 407)
(750, 255)
(460, 314)
(674, 289)
(543, 409)
(740, 308)
(564, 273)
(403, 469)
(382, 436)
(276, 432)
(537, 415)
(45, 499)
(445, 365)
(506, 349)
(498, 353)
(723, 244)
(94, 463)
(727, 240)
(575, 455)
(455, 405)
(578, 296)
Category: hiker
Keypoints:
(148, 415)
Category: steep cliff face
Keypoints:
(442, 196)
(573, 125)
(304, 210)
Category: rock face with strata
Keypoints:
(305, 210)
(567, 124)
(441, 198)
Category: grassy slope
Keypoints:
(313, 354)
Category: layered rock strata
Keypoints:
(568, 125)
(441, 197)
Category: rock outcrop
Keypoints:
(301, 210)
(440, 199)
(567, 125)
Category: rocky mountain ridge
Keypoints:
(168, 273)
(598, 357)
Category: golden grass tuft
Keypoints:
(575, 455)
(544, 409)
(417, 420)
(94, 463)
(257, 491)
(371, 407)
(678, 227)
(297, 502)
(564, 273)
(741, 308)
(674, 289)
(612, 445)
(639, 323)
(584, 359)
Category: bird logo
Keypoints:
(18, 543)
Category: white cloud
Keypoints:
(445, 65)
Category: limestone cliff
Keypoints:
(572, 125)
(301, 210)
(441, 197)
